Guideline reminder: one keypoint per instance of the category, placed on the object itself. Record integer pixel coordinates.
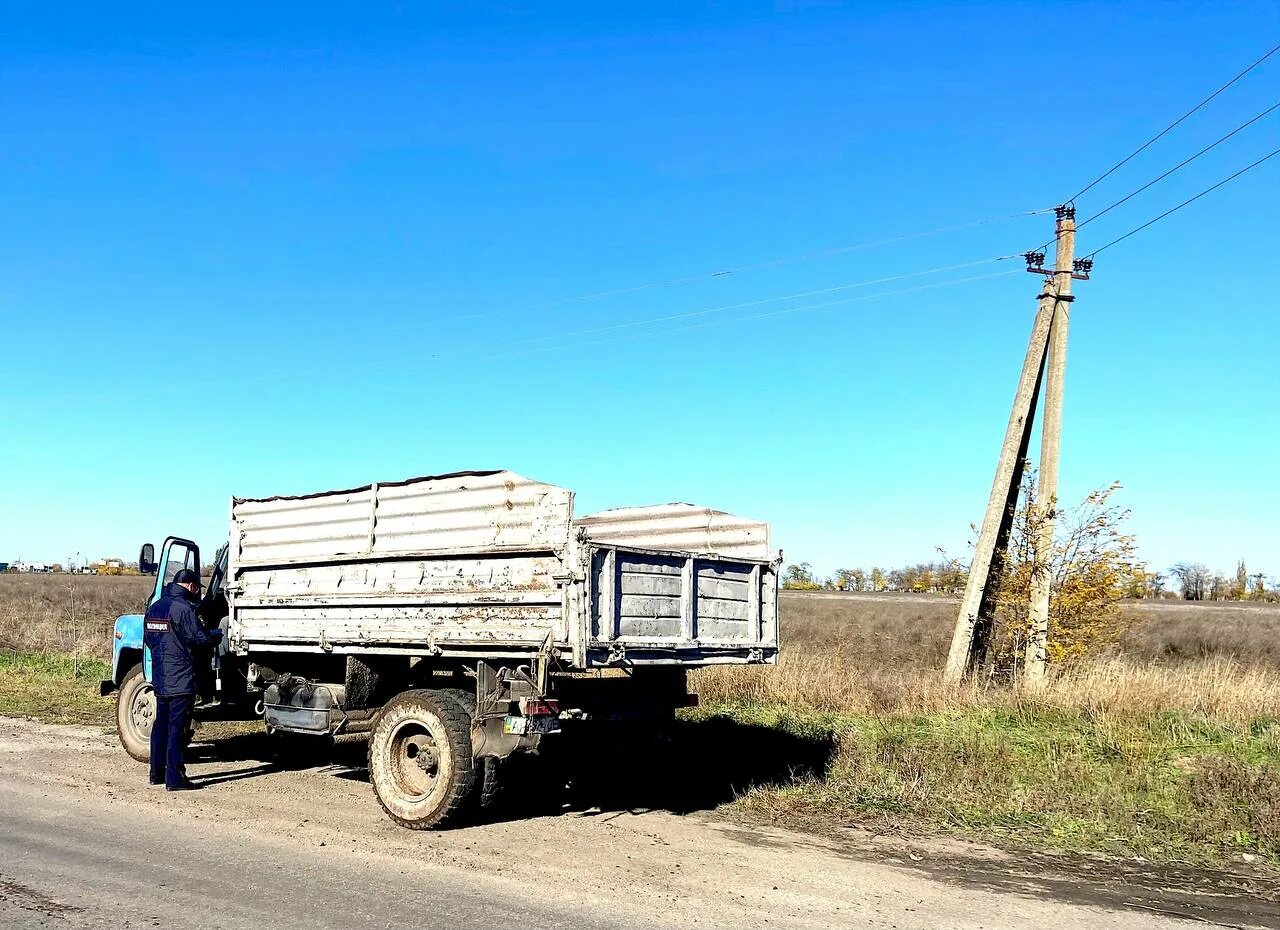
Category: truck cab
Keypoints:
(131, 660)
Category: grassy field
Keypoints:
(66, 614)
(53, 688)
(1167, 748)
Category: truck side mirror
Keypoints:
(147, 559)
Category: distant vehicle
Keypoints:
(455, 620)
(4, 566)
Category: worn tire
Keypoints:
(135, 712)
(487, 784)
(420, 759)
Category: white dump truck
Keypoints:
(456, 619)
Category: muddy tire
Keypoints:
(135, 712)
(420, 759)
(485, 796)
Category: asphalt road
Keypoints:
(84, 843)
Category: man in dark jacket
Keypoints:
(173, 633)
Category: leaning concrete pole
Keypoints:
(977, 609)
(1050, 443)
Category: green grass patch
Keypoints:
(1166, 786)
(54, 689)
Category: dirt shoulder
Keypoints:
(650, 866)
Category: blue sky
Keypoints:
(270, 250)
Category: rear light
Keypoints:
(119, 635)
(535, 707)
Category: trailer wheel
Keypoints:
(420, 759)
(135, 712)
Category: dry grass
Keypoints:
(1167, 748)
(1247, 632)
(1216, 689)
(66, 614)
(875, 654)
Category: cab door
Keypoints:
(175, 555)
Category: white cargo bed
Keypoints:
(492, 564)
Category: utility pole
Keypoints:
(977, 609)
(1059, 284)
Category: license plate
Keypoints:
(530, 726)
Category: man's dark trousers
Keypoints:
(169, 738)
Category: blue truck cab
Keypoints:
(131, 660)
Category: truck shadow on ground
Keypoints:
(681, 767)
(687, 766)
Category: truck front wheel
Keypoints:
(135, 712)
(420, 759)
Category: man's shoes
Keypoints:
(155, 782)
(184, 785)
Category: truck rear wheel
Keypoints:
(420, 759)
(135, 712)
(488, 786)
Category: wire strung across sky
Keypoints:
(1181, 164)
(725, 272)
(1171, 126)
(1154, 181)
(629, 324)
(725, 308)
(724, 321)
(574, 342)
(1187, 202)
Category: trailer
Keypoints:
(454, 620)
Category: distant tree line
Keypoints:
(1190, 581)
(945, 577)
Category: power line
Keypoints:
(1189, 200)
(1172, 125)
(1155, 181)
(1181, 164)
(725, 272)
(768, 300)
(667, 318)
(736, 319)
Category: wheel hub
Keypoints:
(422, 752)
(143, 709)
(417, 760)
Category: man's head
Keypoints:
(188, 579)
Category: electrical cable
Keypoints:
(628, 324)
(1181, 164)
(822, 305)
(724, 272)
(1188, 201)
(721, 322)
(1157, 180)
(768, 300)
(1171, 126)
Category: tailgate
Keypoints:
(653, 606)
